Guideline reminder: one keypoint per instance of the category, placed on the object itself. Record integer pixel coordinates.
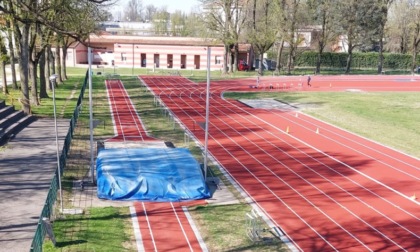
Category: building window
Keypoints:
(123, 57)
(218, 60)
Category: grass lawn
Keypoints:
(109, 229)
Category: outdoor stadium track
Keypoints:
(161, 226)
(326, 188)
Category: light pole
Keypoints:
(92, 173)
(206, 137)
(52, 80)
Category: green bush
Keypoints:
(360, 60)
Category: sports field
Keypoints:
(321, 187)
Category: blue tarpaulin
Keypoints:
(151, 174)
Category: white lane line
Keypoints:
(136, 229)
(357, 143)
(194, 228)
(149, 226)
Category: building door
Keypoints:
(156, 60)
(197, 61)
(170, 60)
(143, 60)
(183, 61)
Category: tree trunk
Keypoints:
(58, 63)
(381, 52)
(260, 68)
(230, 55)
(11, 54)
(34, 85)
(23, 67)
(4, 78)
(319, 59)
(279, 54)
(63, 61)
(48, 66)
(226, 59)
(349, 59)
(235, 57)
(414, 57)
(290, 61)
(42, 80)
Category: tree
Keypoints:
(238, 24)
(397, 28)
(134, 11)
(383, 7)
(322, 14)
(3, 59)
(218, 20)
(177, 22)
(261, 32)
(290, 18)
(11, 53)
(194, 25)
(150, 11)
(413, 15)
(359, 20)
(161, 22)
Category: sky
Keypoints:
(172, 5)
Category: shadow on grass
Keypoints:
(69, 243)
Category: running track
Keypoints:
(160, 226)
(327, 191)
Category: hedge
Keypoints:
(360, 60)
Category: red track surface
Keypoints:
(327, 191)
(127, 123)
(163, 226)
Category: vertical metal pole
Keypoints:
(207, 113)
(53, 79)
(132, 69)
(92, 172)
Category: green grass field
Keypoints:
(389, 118)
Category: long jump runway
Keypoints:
(325, 188)
(164, 226)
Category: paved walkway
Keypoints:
(27, 165)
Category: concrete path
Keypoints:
(27, 165)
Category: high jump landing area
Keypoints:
(149, 174)
(135, 166)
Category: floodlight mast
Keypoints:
(92, 173)
(206, 139)
(53, 79)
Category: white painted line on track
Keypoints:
(182, 227)
(148, 225)
(194, 228)
(136, 228)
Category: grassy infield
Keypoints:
(389, 118)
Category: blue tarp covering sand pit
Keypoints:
(152, 174)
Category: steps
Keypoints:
(12, 122)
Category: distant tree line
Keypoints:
(364, 26)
